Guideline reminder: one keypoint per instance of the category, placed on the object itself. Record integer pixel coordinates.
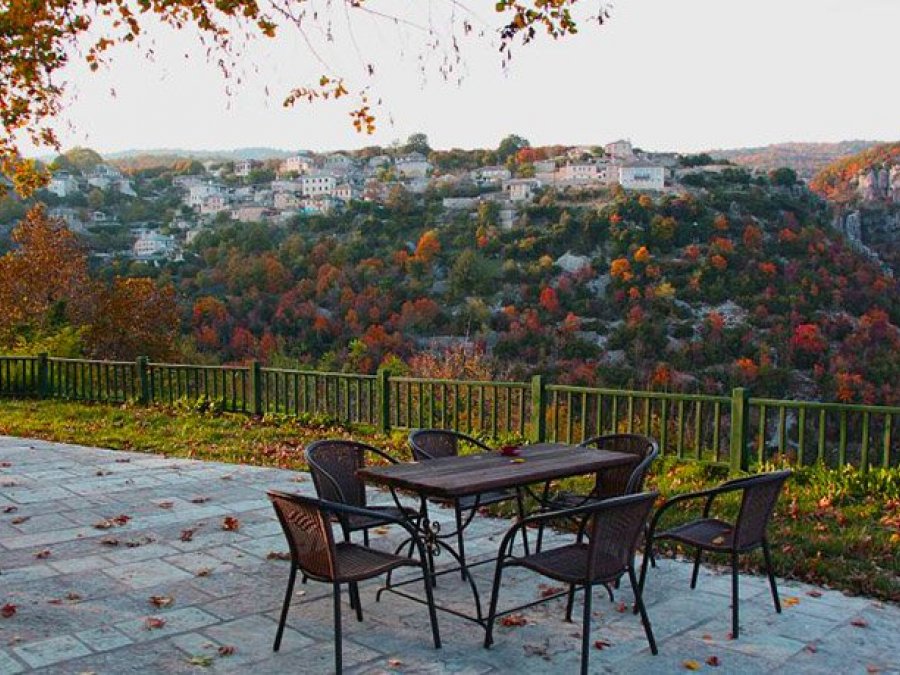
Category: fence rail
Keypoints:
(736, 430)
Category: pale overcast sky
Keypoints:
(668, 74)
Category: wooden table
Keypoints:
(454, 477)
(449, 477)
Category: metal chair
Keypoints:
(759, 494)
(612, 482)
(430, 444)
(333, 464)
(307, 525)
(613, 528)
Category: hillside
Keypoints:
(865, 192)
(805, 158)
(730, 283)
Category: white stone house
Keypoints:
(413, 165)
(639, 176)
(580, 172)
(488, 175)
(621, 149)
(62, 184)
(297, 164)
(213, 204)
(154, 245)
(243, 167)
(317, 184)
(520, 189)
(198, 192)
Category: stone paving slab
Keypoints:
(83, 594)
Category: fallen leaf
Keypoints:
(161, 600)
(859, 623)
(227, 477)
(384, 529)
(101, 472)
(73, 597)
(707, 636)
(814, 594)
(20, 519)
(691, 664)
(153, 623)
(121, 519)
(203, 572)
(188, 534)
(395, 663)
(873, 669)
(166, 505)
(200, 660)
(278, 555)
(231, 524)
(718, 540)
(10, 509)
(713, 661)
(103, 524)
(8, 610)
(109, 541)
(299, 479)
(141, 541)
(790, 601)
(517, 460)
(548, 591)
(5, 465)
(513, 620)
(123, 460)
(199, 500)
(601, 644)
(41, 555)
(811, 648)
(621, 608)
(226, 650)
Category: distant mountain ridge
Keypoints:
(182, 153)
(807, 159)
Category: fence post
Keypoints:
(42, 373)
(143, 377)
(538, 411)
(740, 424)
(256, 388)
(384, 399)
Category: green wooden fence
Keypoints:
(737, 430)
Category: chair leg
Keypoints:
(771, 572)
(366, 536)
(338, 665)
(492, 611)
(354, 597)
(734, 596)
(570, 602)
(639, 602)
(540, 538)
(696, 570)
(520, 503)
(460, 543)
(286, 605)
(586, 629)
(432, 612)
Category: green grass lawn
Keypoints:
(837, 528)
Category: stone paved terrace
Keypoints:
(83, 603)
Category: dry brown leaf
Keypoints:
(20, 519)
(383, 529)
(814, 594)
(790, 601)
(601, 644)
(199, 500)
(153, 623)
(203, 572)
(811, 648)
(231, 524)
(621, 608)
(859, 623)
(161, 600)
(548, 591)
(8, 610)
(690, 664)
(41, 555)
(10, 509)
(278, 555)
(713, 661)
(187, 534)
(109, 541)
(166, 505)
(395, 663)
(226, 650)
(513, 620)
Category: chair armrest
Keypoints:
(346, 509)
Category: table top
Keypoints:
(473, 474)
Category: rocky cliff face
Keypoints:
(874, 230)
(879, 184)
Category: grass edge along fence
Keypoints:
(737, 430)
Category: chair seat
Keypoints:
(358, 522)
(569, 500)
(569, 564)
(356, 563)
(708, 533)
